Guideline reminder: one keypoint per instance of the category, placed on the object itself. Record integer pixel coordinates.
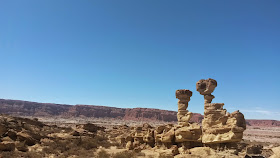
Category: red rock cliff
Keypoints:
(26, 108)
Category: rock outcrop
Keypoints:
(276, 152)
(18, 133)
(26, 135)
(220, 129)
(186, 134)
(26, 108)
(218, 125)
(263, 123)
(182, 136)
(183, 115)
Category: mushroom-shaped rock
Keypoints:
(206, 87)
(183, 94)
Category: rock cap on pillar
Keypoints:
(183, 93)
(206, 87)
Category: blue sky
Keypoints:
(138, 53)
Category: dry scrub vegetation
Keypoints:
(30, 138)
(21, 137)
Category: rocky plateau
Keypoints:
(27, 108)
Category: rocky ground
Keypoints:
(262, 134)
(84, 137)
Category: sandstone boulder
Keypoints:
(21, 146)
(3, 129)
(191, 133)
(90, 127)
(276, 152)
(24, 137)
(254, 149)
(7, 146)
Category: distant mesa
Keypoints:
(27, 108)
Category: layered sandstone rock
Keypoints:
(185, 133)
(190, 133)
(170, 136)
(220, 129)
(134, 138)
(276, 152)
(183, 115)
(218, 125)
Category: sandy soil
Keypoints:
(262, 134)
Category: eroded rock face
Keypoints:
(183, 115)
(190, 133)
(25, 108)
(7, 146)
(206, 87)
(276, 152)
(184, 135)
(185, 132)
(218, 125)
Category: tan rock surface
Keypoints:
(206, 152)
(218, 125)
(183, 115)
(276, 152)
(188, 133)
(7, 146)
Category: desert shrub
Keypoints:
(78, 147)
(30, 154)
(77, 152)
(50, 129)
(125, 154)
(140, 154)
(103, 154)
(163, 155)
(89, 143)
(59, 146)
(101, 140)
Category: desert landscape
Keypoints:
(30, 129)
(139, 79)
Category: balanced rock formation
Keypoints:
(183, 135)
(183, 114)
(186, 134)
(218, 125)
(219, 129)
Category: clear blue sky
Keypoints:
(138, 53)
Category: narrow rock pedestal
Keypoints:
(186, 134)
(183, 114)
